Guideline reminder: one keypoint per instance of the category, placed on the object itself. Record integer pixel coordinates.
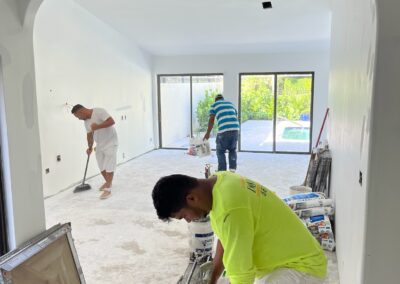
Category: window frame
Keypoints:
(276, 74)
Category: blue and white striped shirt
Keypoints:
(226, 116)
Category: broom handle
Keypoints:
(87, 163)
(322, 127)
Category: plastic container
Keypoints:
(299, 189)
(201, 237)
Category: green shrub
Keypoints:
(203, 110)
(257, 99)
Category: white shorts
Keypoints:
(288, 276)
(107, 159)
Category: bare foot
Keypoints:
(103, 187)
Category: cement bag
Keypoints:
(321, 228)
(199, 147)
(304, 197)
(299, 205)
(310, 212)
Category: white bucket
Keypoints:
(201, 237)
(299, 189)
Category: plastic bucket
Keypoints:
(299, 189)
(201, 237)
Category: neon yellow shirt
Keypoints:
(259, 232)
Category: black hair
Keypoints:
(76, 108)
(219, 97)
(169, 194)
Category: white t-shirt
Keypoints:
(104, 137)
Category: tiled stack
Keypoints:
(315, 212)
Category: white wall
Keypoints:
(382, 249)
(19, 131)
(232, 65)
(79, 59)
(353, 40)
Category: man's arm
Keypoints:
(89, 137)
(218, 266)
(210, 126)
(107, 123)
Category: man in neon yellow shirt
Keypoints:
(260, 235)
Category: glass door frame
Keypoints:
(190, 75)
(275, 74)
(3, 215)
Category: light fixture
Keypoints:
(267, 5)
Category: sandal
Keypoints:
(106, 193)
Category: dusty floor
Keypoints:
(120, 240)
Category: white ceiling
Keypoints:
(173, 27)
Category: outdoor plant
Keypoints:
(257, 99)
(203, 109)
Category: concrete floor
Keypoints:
(120, 240)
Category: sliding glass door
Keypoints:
(276, 112)
(174, 112)
(257, 112)
(293, 112)
(3, 231)
(184, 104)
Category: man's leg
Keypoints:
(221, 153)
(233, 138)
(110, 163)
(103, 173)
(100, 156)
(288, 276)
(109, 179)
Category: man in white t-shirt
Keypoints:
(100, 129)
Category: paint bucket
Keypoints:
(201, 237)
(299, 189)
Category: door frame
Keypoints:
(190, 75)
(4, 246)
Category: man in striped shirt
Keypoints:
(228, 131)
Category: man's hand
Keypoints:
(89, 151)
(94, 126)
(206, 136)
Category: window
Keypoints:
(276, 112)
(184, 104)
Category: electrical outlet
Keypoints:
(58, 158)
(47, 170)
